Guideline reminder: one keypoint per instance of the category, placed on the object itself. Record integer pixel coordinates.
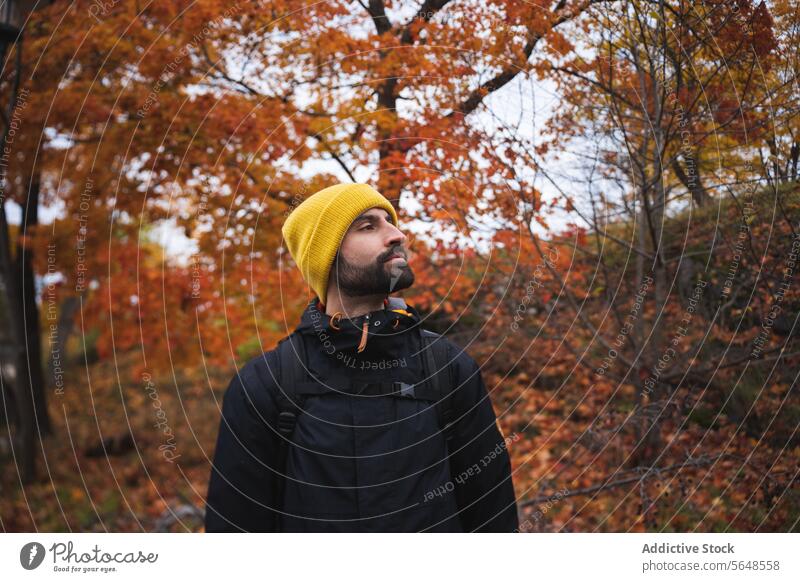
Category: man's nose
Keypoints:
(396, 237)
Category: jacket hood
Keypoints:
(379, 336)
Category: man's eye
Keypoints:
(368, 226)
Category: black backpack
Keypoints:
(296, 383)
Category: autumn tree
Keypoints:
(662, 104)
(218, 118)
(22, 382)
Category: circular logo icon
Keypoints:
(31, 555)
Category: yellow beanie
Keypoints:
(315, 229)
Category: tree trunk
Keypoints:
(23, 316)
(389, 183)
(27, 294)
(24, 435)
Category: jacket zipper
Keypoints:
(363, 343)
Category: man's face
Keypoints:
(367, 262)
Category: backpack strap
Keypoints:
(291, 373)
(321, 387)
(296, 382)
(438, 371)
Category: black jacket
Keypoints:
(357, 463)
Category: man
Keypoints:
(348, 459)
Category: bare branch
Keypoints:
(509, 73)
(335, 156)
(644, 474)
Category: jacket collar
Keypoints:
(380, 334)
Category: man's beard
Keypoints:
(377, 278)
